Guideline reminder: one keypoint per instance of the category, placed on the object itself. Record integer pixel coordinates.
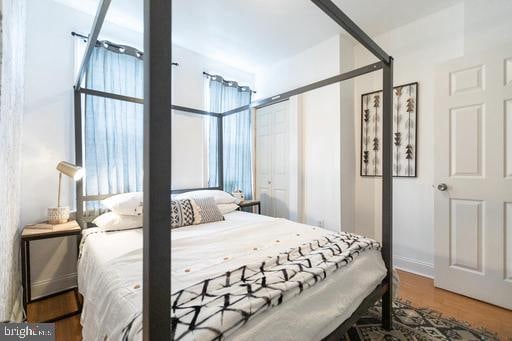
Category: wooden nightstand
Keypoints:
(45, 231)
(250, 203)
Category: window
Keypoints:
(221, 96)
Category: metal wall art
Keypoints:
(405, 113)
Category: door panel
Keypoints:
(280, 203)
(472, 157)
(465, 141)
(466, 234)
(263, 194)
(467, 80)
(264, 161)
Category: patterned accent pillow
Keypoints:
(197, 212)
(182, 213)
(208, 210)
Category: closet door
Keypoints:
(272, 159)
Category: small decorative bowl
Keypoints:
(58, 215)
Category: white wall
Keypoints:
(487, 24)
(347, 138)
(48, 133)
(417, 48)
(314, 64)
(321, 157)
(323, 117)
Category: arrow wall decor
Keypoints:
(405, 114)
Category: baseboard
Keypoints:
(51, 286)
(415, 266)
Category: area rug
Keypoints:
(411, 323)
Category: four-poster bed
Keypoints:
(157, 103)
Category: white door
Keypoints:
(272, 159)
(473, 170)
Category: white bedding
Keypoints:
(109, 276)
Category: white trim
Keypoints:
(49, 286)
(414, 266)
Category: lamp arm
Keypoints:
(58, 194)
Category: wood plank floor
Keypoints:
(422, 293)
(66, 330)
(418, 290)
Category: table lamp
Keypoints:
(60, 215)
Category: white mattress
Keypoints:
(110, 277)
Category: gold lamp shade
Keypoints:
(70, 170)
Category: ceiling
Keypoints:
(250, 34)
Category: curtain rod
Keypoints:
(228, 81)
(132, 51)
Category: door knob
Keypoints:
(442, 187)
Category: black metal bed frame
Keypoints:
(157, 155)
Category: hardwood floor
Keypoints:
(418, 290)
(422, 293)
(66, 330)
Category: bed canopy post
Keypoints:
(156, 299)
(387, 192)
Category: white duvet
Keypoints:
(110, 277)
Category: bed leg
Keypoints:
(387, 309)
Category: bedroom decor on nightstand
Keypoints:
(237, 193)
(405, 114)
(59, 214)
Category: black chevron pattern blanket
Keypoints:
(216, 307)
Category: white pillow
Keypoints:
(125, 204)
(114, 222)
(227, 208)
(219, 196)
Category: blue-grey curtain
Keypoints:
(237, 135)
(114, 129)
